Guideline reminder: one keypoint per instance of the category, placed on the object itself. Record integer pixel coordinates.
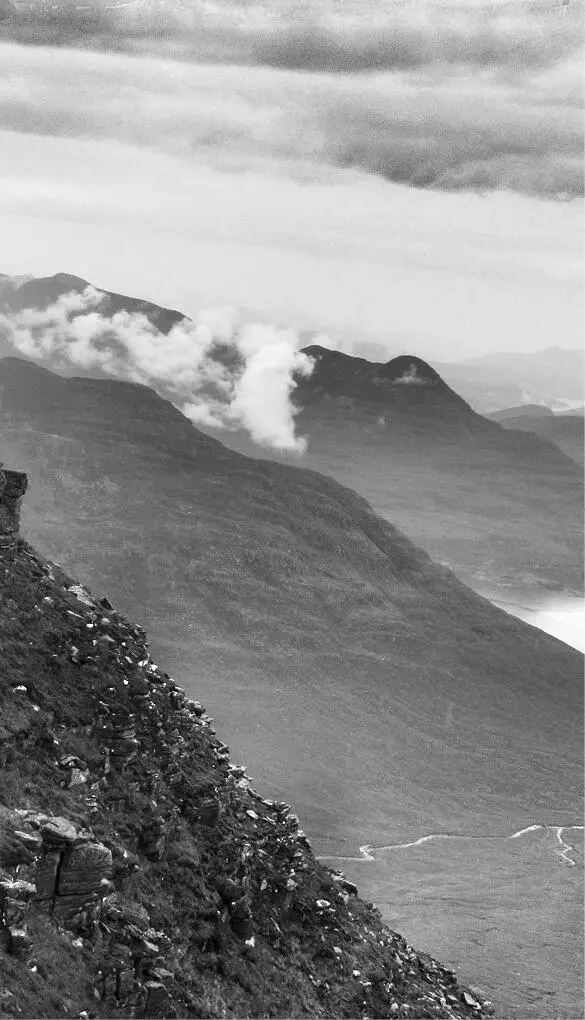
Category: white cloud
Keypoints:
(219, 373)
(410, 378)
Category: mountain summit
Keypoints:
(404, 382)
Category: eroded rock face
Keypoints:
(68, 877)
(13, 485)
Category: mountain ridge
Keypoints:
(423, 457)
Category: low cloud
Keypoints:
(219, 373)
(411, 378)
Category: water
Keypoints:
(562, 616)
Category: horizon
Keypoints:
(309, 337)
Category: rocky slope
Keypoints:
(140, 873)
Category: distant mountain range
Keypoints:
(553, 377)
(498, 506)
(564, 430)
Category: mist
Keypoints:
(219, 372)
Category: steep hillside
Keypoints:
(497, 506)
(140, 873)
(564, 430)
(285, 597)
(360, 681)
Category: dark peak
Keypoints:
(408, 369)
(65, 280)
(38, 292)
(403, 381)
(403, 369)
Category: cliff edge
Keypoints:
(140, 873)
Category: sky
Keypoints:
(403, 175)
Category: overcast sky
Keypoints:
(404, 172)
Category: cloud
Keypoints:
(444, 127)
(411, 378)
(218, 372)
(320, 35)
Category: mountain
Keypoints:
(140, 872)
(24, 292)
(523, 411)
(496, 506)
(362, 682)
(564, 430)
(492, 381)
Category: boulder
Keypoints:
(83, 878)
(158, 1001)
(58, 832)
(13, 485)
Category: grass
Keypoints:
(306, 961)
(358, 680)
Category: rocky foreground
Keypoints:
(140, 873)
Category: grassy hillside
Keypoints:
(497, 506)
(564, 430)
(140, 874)
(303, 616)
(357, 679)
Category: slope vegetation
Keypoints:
(389, 699)
(140, 873)
(496, 505)
(564, 430)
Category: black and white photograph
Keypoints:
(292, 618)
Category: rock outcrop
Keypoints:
(13, 486)
(141, 875)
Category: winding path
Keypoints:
(367, 851)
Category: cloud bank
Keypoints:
(451, 96)
(220, 374)
(317, 35)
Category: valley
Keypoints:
(453, 896)
(356, 677)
